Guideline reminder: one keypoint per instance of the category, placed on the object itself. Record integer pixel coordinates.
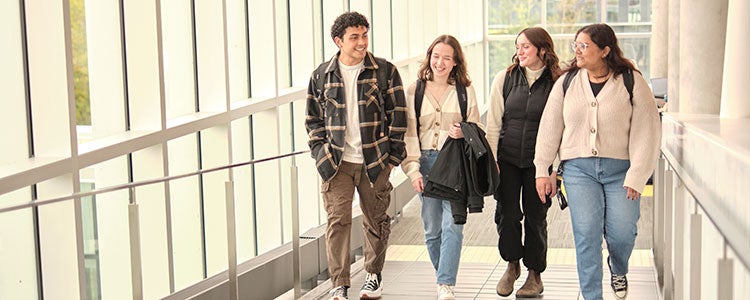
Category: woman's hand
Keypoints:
(632, 194)
(455, 131)
(544, 188)
(553, 182)
(418, 185)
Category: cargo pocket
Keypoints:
(383, 191)
(325, 189)
(383, 200)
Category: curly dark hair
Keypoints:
(346, 20)
(458, 74)
(603, 36)
(542, 41)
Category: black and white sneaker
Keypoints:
(340, 293)
(371, 289)
(619, 283)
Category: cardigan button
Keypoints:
(594, 152)
(593, 130)
(593, 104)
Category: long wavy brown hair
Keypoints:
(603, 36)
(458, 73)
(542, 41)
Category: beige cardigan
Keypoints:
(435, 121)
(605, 126)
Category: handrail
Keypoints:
(734, 235)
(144, 182)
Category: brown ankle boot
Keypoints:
(533, 286)
(505, 285)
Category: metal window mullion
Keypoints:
(164, 145)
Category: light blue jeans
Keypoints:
(442, 236)
(598, 206)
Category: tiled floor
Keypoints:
(408, 273)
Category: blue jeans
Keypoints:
(598, 206)
(443, 238)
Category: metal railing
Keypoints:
(135, 224)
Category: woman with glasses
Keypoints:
(608, 142)
(517, 99)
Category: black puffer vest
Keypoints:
(523, 111)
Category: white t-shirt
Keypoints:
(353, 139)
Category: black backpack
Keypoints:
(419, 95)
(382, 76)
(627, 77)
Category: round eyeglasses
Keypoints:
(582, 45)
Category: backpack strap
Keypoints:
(507, 86)
(566, 81)
(627, 78)
(462, 101)
(418, 96)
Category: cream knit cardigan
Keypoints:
(603, 126)
(436, 121)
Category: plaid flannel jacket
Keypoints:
(326, 117)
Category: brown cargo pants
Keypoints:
(374, 199)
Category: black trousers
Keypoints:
(517, 190)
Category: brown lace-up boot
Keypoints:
(533, 286)
(505, 285)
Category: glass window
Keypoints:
(501, 53)
(80, 62)
(90, 242)
(630, 19)
(567, 16)
(510, 16)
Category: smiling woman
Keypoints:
(518, 98)
(443, 72)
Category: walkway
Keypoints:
(408, 273)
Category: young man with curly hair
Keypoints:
(356, 121)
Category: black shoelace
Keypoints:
(371, 282)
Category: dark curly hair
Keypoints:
(458, 74)
(603, 36)
(542, 41)
(346, 20)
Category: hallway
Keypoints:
(408, 273)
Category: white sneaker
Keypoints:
(445, 292)
(339, 293)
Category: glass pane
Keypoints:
(628, 11)
(501, 53)
(511, 16)
(638, 50)
(90, 242)
(563, 51)
(565, 16)
(80, 62)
